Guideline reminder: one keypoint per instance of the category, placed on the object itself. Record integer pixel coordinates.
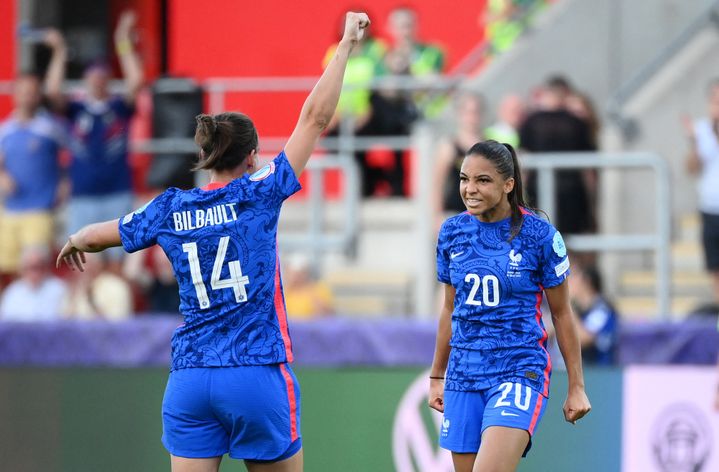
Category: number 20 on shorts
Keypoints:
(519, 402)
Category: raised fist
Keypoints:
(355, 26)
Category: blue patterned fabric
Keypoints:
(497, 330)
(222, 245)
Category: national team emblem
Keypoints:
(445, 426)
(515, 258)
(558, 245)
(263, 173)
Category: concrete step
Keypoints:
(687, 256)
(375, 214)
(645, 308)
(372, 292)
(684, 283)
(690, 228)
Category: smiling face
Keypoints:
(484, 191)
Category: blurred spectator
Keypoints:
(362, 67)
(599, 320)
(99, 122)
(392, 114)
(703, 160)
(30, 174)
(554, 129)
(305, 297)
(97, 293)
(422, 59)
(468, 110)
(37, 295)
(503, 25)
(510, 115)
(152, 272)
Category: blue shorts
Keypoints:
(250, 412)
(468, 414)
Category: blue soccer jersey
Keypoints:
(497, 329)
(222, 243)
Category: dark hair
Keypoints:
(225, 140)
(504, 158)
(559, 82)
(593, 277)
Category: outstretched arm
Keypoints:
(319, 108)
(441, 351)
(127, 56)
(92, 238)
(56, 69)
(577, 404)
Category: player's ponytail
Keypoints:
(516, 196)
(225, 140)
(504, 159)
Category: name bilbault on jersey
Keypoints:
(222, 243)
(497, 329)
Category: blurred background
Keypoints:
(613, 105)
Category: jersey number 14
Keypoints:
(236, 281)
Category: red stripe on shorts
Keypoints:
(292, 400)
(535, 415)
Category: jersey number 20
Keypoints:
(488, 299)
(236, 281)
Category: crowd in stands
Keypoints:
(68, 156)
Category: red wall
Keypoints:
(230, 38)
(7, 49)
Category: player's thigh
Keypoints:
(184, 464)
(463, 462)
(292, 464)
(502, 448)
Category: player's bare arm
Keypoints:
(92, 238)
(577, 404)
(319, 108)
(441, 351)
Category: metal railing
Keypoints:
(546, 164)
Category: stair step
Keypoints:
(645, 308)
(690, 228)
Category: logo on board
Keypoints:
(682, 439)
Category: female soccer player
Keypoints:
(230, 389)
(495, 260)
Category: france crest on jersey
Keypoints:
(497, 330)
(222, 243)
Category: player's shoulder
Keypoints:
(536, 227)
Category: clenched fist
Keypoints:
(355, 26)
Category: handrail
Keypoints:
(657, 241)
(546, 164)
(710, 15)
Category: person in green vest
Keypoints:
(424, 59)
(362, 67)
